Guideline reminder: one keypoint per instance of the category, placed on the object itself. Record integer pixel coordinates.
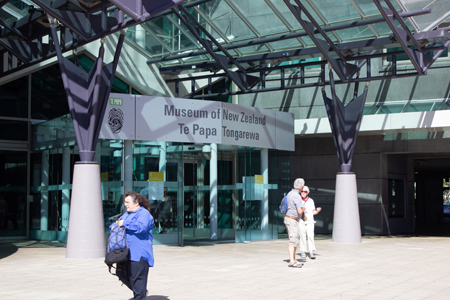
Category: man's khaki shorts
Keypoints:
(293, 231)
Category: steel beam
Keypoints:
(288, 36)
(321, 80)
(416, 57)
(323, 45)
(115, 22)
(212, 39)
(221, 60)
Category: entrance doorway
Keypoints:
(196, 194)
(432, 183)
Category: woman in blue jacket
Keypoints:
(138, 223)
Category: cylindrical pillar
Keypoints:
(213, 192)
(265, 199)
(86, 237)
(346, 223)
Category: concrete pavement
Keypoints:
(378, 268)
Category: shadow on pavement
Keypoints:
(7, 249)
(157, 297)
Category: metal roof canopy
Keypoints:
(346, 58)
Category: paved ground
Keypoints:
(378, 268)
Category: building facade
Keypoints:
(401, 159)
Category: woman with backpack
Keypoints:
(138, 223)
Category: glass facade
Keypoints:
(13, 193)
(36, 166)
(182, 213)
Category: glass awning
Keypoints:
(234, 21)
(240, 26)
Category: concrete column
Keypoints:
(346, 224)
(86, 237)
(265, 200)
(65, 191)
(44, 186)
(213, 192)
(127, 165)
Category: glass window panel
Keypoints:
(313, 13)
(391, 108)
(120, 86)
(438, 8)
(135, 92)
(441, 106)
(308, 42)
(227, 20)
(383, 29)
(336, 11)
(405, 57)
(413, 107)
(286, 44)
(370, 110)
(287, 14)
(354, 33)
(85, 62)
(13, 189)
(48, 97)
(168, 33)
(258, 13)
(13, 130)
(368, 7)
(13, 98)
(6, 17)
(254, 49)
(211, 30)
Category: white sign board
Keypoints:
(178, 120)
(248, 126)
(196, 121)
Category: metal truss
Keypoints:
(343, 69)
(284, 37)
(259, 66)
(79, 23)
(346, 59)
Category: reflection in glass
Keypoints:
(14, 98)
(13, 183)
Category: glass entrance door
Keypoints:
(196, 193)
